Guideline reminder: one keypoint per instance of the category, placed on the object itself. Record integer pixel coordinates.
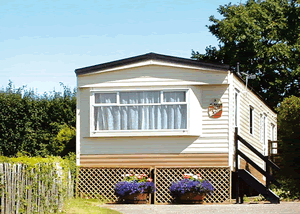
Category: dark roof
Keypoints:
(149, 56)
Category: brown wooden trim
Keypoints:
(155, 160)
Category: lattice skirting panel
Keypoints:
(100, 182)
(219, 177)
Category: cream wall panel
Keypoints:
(215, 126)
(152, 73)
(213, 132)
(78, 136)
(205, 150)
(135, 145)
(212, 122)
(224, 118)
(151, 144)
(210, 145)
(208, 140)
(247, 99)
(84, 112)
(214, 137)
(195, 113)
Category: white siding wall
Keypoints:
(153, 74)
(247, 99)
(214, 136)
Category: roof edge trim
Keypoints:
(150, 56)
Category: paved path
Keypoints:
(282, 208)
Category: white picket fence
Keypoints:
(33, 190)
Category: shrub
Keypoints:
(289, 143)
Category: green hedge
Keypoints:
(37, 125)
(289, 144)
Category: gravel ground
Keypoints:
(283, 207)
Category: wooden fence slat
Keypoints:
(42, 193)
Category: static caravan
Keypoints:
(166, 116)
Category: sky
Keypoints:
(42, 42)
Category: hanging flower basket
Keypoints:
(190, 190)
(135, 189)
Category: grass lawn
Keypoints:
(84, 206)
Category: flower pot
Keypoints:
(136, 198)
(191, 198)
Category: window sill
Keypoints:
(133, 133)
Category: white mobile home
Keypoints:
(165, 116)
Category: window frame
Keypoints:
(273, 138)
(251, 119)
(99, 133)
(236, 108)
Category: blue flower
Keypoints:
(130, 187)
(187, 185)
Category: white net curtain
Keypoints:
(141, 110)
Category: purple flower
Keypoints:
(187, 185)
(130, 187)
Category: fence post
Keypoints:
(237, 191)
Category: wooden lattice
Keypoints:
(219, 177)
(100, 182)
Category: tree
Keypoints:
(264, 37)
(37, 125)
(289, 139)
(64, 142)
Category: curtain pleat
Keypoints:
(142, 117)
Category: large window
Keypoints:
(140, 110)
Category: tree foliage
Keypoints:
(65, 141)
(289, 139)
(30, 123)
(264, 37)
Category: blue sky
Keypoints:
(43, 42)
